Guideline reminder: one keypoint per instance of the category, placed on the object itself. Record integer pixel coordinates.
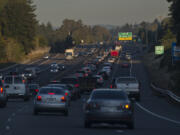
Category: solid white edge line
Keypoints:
(156, 115)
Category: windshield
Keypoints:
(108, 95)
(51, 90)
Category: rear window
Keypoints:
(125, 80)
(111, 95)
(57, 85)
(8, 80)
(18, 80)
(69, 81)
(51, 90)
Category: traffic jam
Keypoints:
(106, 98)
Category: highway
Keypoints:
(153, 115)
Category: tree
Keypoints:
(175, 13)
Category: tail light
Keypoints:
(63, 99)
(101, 79)
(1, 90)
(111, 86)
(23, 81)
(66, 94)
(39, 98)
(51, 93)
(2, 81)
(76, 85)
(127, 106)
(37, 90)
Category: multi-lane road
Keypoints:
(153, 115)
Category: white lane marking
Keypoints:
(119, 131)
(156, 115)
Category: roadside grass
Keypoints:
(36, 54)
(161, 71)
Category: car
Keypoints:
(100, 79)
(51, 99)
(110, 106)
(16, 87)
(125, 64)
(111, 60)
(54, 65)
(61, 67)
(3, 95)
(46, 57)
(130, 84)
(71, 79)
(34, 88)
(54, 69)
(108, 64)
(80, 73)
(64, 87)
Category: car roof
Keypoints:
(107, 89)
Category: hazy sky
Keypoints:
(114, 12)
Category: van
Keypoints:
(16, 87)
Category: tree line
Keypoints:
(18, 30)
(21, 33)
(73, 32)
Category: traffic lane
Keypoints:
(26, 123)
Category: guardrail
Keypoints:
(166, 93)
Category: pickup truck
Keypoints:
(130, 84)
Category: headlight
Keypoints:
(30, 75)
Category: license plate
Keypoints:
(51, 100)
(108, 109)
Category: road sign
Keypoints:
(123, 36)
(175, 52)
(159, 50)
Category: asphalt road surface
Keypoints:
(153, 115)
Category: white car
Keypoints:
(46, 57)
(111, 60)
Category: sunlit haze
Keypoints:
(114, 12)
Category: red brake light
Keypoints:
(2, 81)
(66, 94)
(1, 90)
(111, 86)
(36, 90)
(63, 99)
(76, 85)
(39, 98)
(23, 81)
(51, 93)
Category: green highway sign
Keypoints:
(125, 36)
(159, 50)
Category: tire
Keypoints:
(35, 112)
(66, 113)
(130, 125)
(87, 124)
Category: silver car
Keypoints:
(51, 99)
(108, 106)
